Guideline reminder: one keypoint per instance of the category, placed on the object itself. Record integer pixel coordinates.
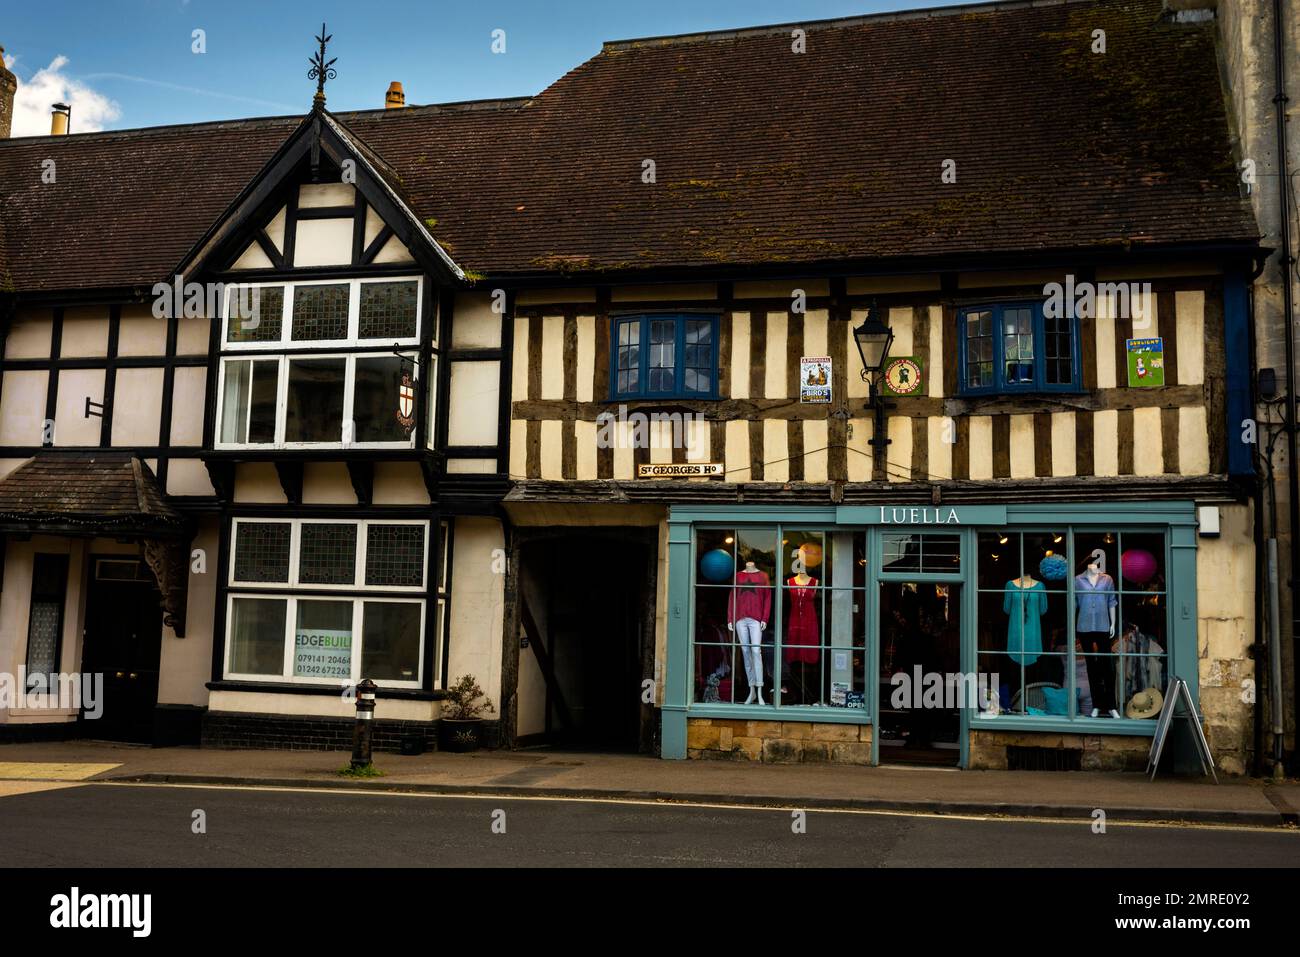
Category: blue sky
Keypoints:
(129, 63)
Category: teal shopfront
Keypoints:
(889, 633)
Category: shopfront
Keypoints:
(903, 633)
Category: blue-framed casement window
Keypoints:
(1075, 622)
(1006, 348)
(664, 356)
(780, 614)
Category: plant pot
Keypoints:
(460, 735)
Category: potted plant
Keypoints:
(461, 727)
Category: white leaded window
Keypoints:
(324, 601)
(319, 364)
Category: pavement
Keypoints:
(1125, 797)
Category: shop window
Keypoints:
(780, 617)
(45, 619)
(299, 601)
(1074, 623)
(924, 552)
(664, 357)
(1014, 347)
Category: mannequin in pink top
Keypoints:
(748, 609)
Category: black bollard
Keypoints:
(361, 733)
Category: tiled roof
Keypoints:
(762, 155)
(94, 492)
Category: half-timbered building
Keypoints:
(747, 395)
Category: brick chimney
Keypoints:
(394, 99)
(8, 87)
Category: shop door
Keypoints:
(123, 641)
(920, 660)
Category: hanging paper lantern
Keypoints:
(717, 565)
(1137, 565)
(810, 553)
(1052, 568)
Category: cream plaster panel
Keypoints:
(85, 331)
(477, 604)
(474, 325)
(900, 320)
(192, 337)
(940, 430)
(518, 449)
(327, 483)
(553, 357)
(1148, 458)
(29, 335)
(552, 458)
(22, 407)
(1193, 441)
(737, 451)
(275, 230)
(857, 389)
(1189, 308)
(401, 483)
(316, 195)
(859, 451)
(140, 334)
(899, 452)
(188, 477)
(519, 365)
(863, 285)
(374, 226)
(471, 466)
(547, 297)
(585, 372)
(186, 664)
(475, 400)
(740, 355)
(394, 251)
(624, 459)
(258, 482)
(71, 426)
(934, 372)
(776, 451)
(1105, 443)
(188, 395)
(815, 330)
(782, 289)
(584, 434)
(136, 405)
(981, 447)
(1022, 446)
(1105, 348)
(1064, 449)
(323, 242)
(698, 445)
(325, 706)
(253, 257)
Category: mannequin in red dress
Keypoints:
(802, 635)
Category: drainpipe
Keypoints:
(1288, 312)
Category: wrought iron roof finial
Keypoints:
(321, 70)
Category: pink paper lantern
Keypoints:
(1137, 565)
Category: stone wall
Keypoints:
(1100, 752)
(1225, 612)
(778, 742)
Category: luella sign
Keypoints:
(921, 515)
(917, 515)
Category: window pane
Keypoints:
(327, 553)
(662, 363)
(320, 312)
(387, 310)
(390, 641)
(375, 399)
(248, 408)
(315, 412)
(1058, 351)
(698, 356)
(1018, 345)
(234, 401)
(920, 552)
(628, 357)
(979, 349)
(323, 640)
(262, 551)
(255, 314)
(257, 636)
(395, 555)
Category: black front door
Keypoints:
(123, 642)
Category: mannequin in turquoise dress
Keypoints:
(1025, 603)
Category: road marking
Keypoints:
(15, 788)
(784, 808)
(44, 771)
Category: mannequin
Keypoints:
(748, 609)
(802, 633)
(1024, 605)
(1095, 627)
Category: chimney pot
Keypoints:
(60, 114)
(394, 99)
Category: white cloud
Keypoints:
(91, 110)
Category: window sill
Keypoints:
(805, 713)
(269, 687)
(1134, 727)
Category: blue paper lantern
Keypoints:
(717, 565)
(1052, 568)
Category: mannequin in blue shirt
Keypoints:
(1095, 627)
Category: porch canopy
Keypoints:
(108, 495)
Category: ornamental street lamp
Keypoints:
(874, 338)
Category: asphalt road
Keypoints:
(152, 826)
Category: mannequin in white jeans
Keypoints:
(747, 612)
(750, 633)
